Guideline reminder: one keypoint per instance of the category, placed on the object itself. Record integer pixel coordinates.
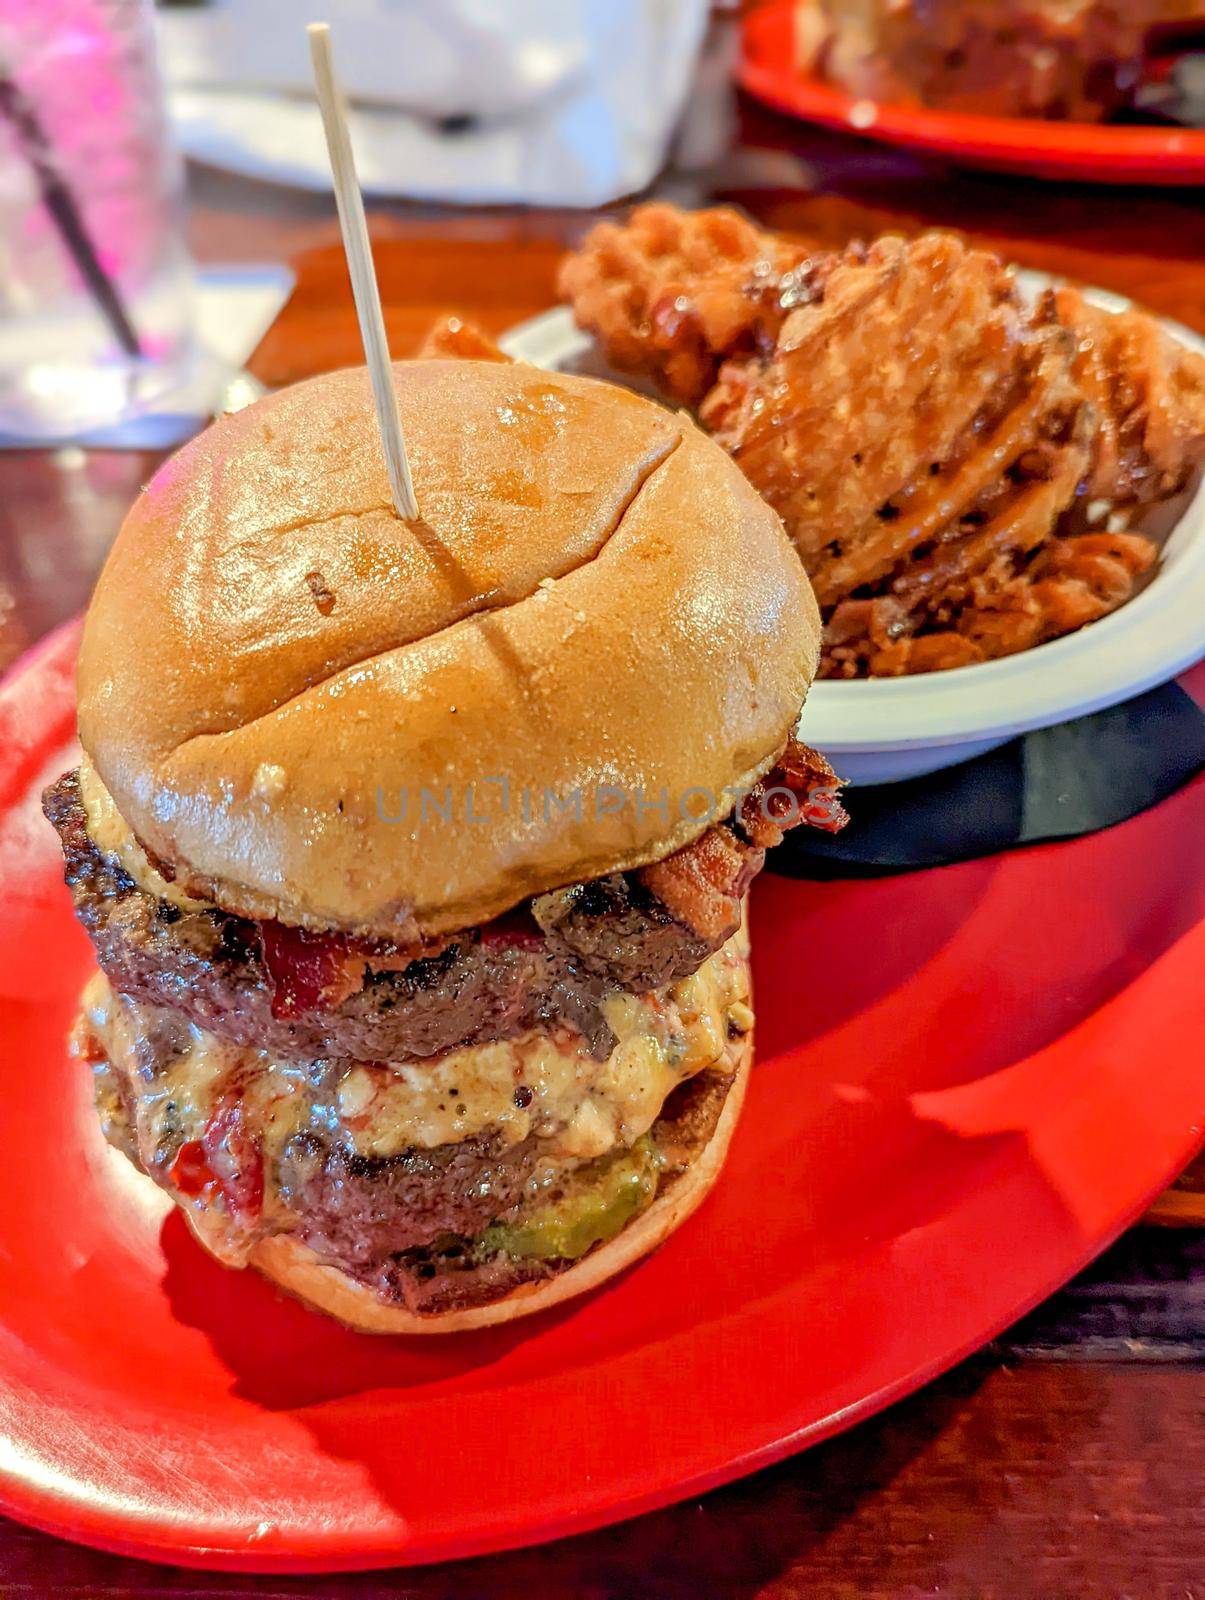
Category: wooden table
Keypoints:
(1067, 1460)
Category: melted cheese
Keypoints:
(113, 837)
(548, 1085)
(541, 1083)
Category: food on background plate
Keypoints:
(921, 438)
(1078, 60)
(454, 339)
(671, 294)
(414, 853)
(1146, 394)
(958, 470)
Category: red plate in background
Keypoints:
(1084, 151)
(968, 1082)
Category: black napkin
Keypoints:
(1054, 783)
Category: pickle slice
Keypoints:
(590, 1207)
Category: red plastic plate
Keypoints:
(968, 1082)
(1076, 150)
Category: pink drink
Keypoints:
(95, 282)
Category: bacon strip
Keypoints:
(703, 884)
(319, 970)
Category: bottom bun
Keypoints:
(295, 1268)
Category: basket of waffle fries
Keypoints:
(992, 479)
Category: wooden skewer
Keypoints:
(350, 204)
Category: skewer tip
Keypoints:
(363, 275)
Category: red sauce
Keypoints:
(235, 1159)
(191, 1173)
(225, 1160)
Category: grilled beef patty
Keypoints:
(449, 1276)
(405, 1226)
(552, 960)
(489, 984)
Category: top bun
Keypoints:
(310, 709)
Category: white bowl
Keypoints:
(880, 729)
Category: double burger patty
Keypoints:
(405, 1225)
(490, 984)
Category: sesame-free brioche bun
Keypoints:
(275, 667)
(297, 1270)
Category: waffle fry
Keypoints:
(1147, 393)
(670, 294)
(936, 449)
(868, 392)
(944, 478)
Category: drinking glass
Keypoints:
(95, 281)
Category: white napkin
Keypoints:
(544, 102)
(233, 308)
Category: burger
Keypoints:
(414, 854)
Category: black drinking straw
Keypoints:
(64, 212)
